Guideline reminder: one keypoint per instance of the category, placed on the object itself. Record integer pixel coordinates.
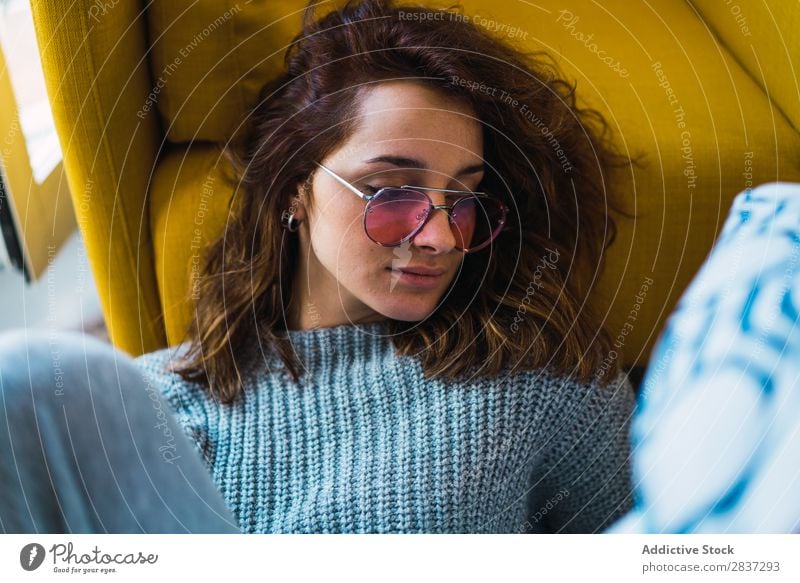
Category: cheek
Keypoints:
(341, 245)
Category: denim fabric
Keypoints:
(88, 446)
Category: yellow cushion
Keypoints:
(209, 58)
(763, 38)
(188, 209)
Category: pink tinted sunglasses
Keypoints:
(396, 214)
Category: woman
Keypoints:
(360, 361)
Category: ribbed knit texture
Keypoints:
(365, 444)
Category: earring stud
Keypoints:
(289, 221)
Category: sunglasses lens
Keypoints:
(476, 221)
(394, 214)
(397, 213)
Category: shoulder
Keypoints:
(580, 404)
(595, 417)
(569, 391)
(560, 402)
(156, 360)
(156, 364)
(598, 394)
(156, 369)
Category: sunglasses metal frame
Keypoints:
(445, 207)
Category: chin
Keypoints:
(410, 311)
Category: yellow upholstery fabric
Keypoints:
(212, 57)
(731, 137)
(188, 209)
(97, 79)
(763, 38)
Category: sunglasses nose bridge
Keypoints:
(429, 214)
(447, 208)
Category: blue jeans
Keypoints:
(87, 446)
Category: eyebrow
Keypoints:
(404, 162)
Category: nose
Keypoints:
(436, 236)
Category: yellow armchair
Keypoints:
(144, 93)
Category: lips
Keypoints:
(429, 271)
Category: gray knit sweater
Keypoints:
(365, 444)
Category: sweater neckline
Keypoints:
(340, 330)
(324, 347)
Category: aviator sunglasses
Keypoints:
(395, 214)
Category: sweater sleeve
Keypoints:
(582, 481)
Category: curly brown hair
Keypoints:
(547, 158)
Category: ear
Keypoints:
(305, 191)
(298, 201)
(297, 208)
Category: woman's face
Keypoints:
(411, 134)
